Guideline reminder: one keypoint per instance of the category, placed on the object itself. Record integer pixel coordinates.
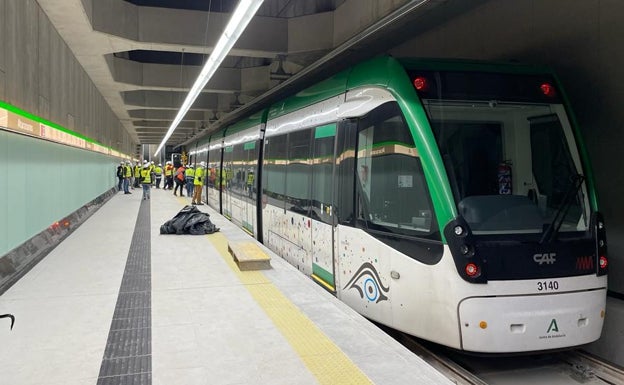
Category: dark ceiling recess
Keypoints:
(195, 5)
(166, 57)
(270, 8)
(189, 58)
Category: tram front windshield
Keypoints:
(509, 151)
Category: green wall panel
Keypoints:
(45, 182)
(4, 177)
(15, 191)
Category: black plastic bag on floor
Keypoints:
(190, 220)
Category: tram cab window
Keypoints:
(392, 195)
(471, 152)
(510, 165)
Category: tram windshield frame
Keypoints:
(509, 151)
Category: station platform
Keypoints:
(118, 303)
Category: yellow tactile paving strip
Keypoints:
(322, 357)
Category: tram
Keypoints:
(450, 200)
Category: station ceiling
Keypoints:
(144, 55)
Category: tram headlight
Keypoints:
(600, 234)
(471, 266)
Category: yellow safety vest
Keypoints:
(199, 174)
(146, 174)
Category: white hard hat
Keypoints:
(159, 165)
(203, 164)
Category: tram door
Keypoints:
(322, 206)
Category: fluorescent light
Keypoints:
(241, 17)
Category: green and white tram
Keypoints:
(450, 200)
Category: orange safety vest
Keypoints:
(180, 173)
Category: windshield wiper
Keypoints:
(551, 231)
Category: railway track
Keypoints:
(561, 368)
(587, 365)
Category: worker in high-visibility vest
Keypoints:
(146, 179)
(168, 176)
(198, 184)
(127, 174)
(137, 175)
(153, 174)
(158, 171)
(189, 175)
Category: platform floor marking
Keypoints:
(321, 356)
(127, 357)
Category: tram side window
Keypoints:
(228, 158)
(274, 170)
(250, 157)
(322, 161)
(391, 188)
(299, 172)
(237, 172)
(214, 159)
(202, 157)
(345, 175)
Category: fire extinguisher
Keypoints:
(504, 178)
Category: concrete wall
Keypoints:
(355, 15)
(179, 26)
(39, 74)
(581, 40)
(43, 182)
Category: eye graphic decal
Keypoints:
(367, 282)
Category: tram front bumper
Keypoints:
(531, 323)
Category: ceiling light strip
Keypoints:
(241, 17)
